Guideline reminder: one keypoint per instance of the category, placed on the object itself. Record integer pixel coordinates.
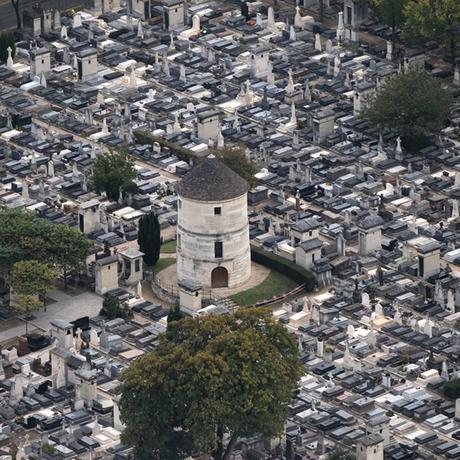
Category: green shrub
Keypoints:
(284, 266)
(112, 308)
(452, 389)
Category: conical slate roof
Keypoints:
(212, 180)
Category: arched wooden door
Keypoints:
(219, 277)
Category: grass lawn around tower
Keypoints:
(169, 247)
(163, 263)
(275, 284)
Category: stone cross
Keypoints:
(9, 61)
(298, 17)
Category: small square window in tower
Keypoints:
(218, 250)
(218, 211)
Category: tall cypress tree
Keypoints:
(6, 39)
(149, 238)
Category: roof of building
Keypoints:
(212, 180)
(307, 224)
(371, 440)
(131, 253)
(87, 52)
(171, 2)
(427, 246)
(107, 260)
(311, 245)
(39, 51)
(370, 221)
(207, 114)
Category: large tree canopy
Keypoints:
(411, 104)
(24, 236)
(213, 376)
(68, 250)
(113, 173)
(28, 279)
(434, 20)
(391, 13)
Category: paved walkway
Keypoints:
(67, 305)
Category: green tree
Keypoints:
(68, 249)
(113, 172)
(29, 279)
(391, 13)
(215, 375)
(434, 20)
(6, 40)
(22, 236)
(149, 238)
(412, 104)
(235, 158)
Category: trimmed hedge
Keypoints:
(181, 152)
(452, 389)
(284, 266)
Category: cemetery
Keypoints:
(192, 157)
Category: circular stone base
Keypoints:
(168, 276)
